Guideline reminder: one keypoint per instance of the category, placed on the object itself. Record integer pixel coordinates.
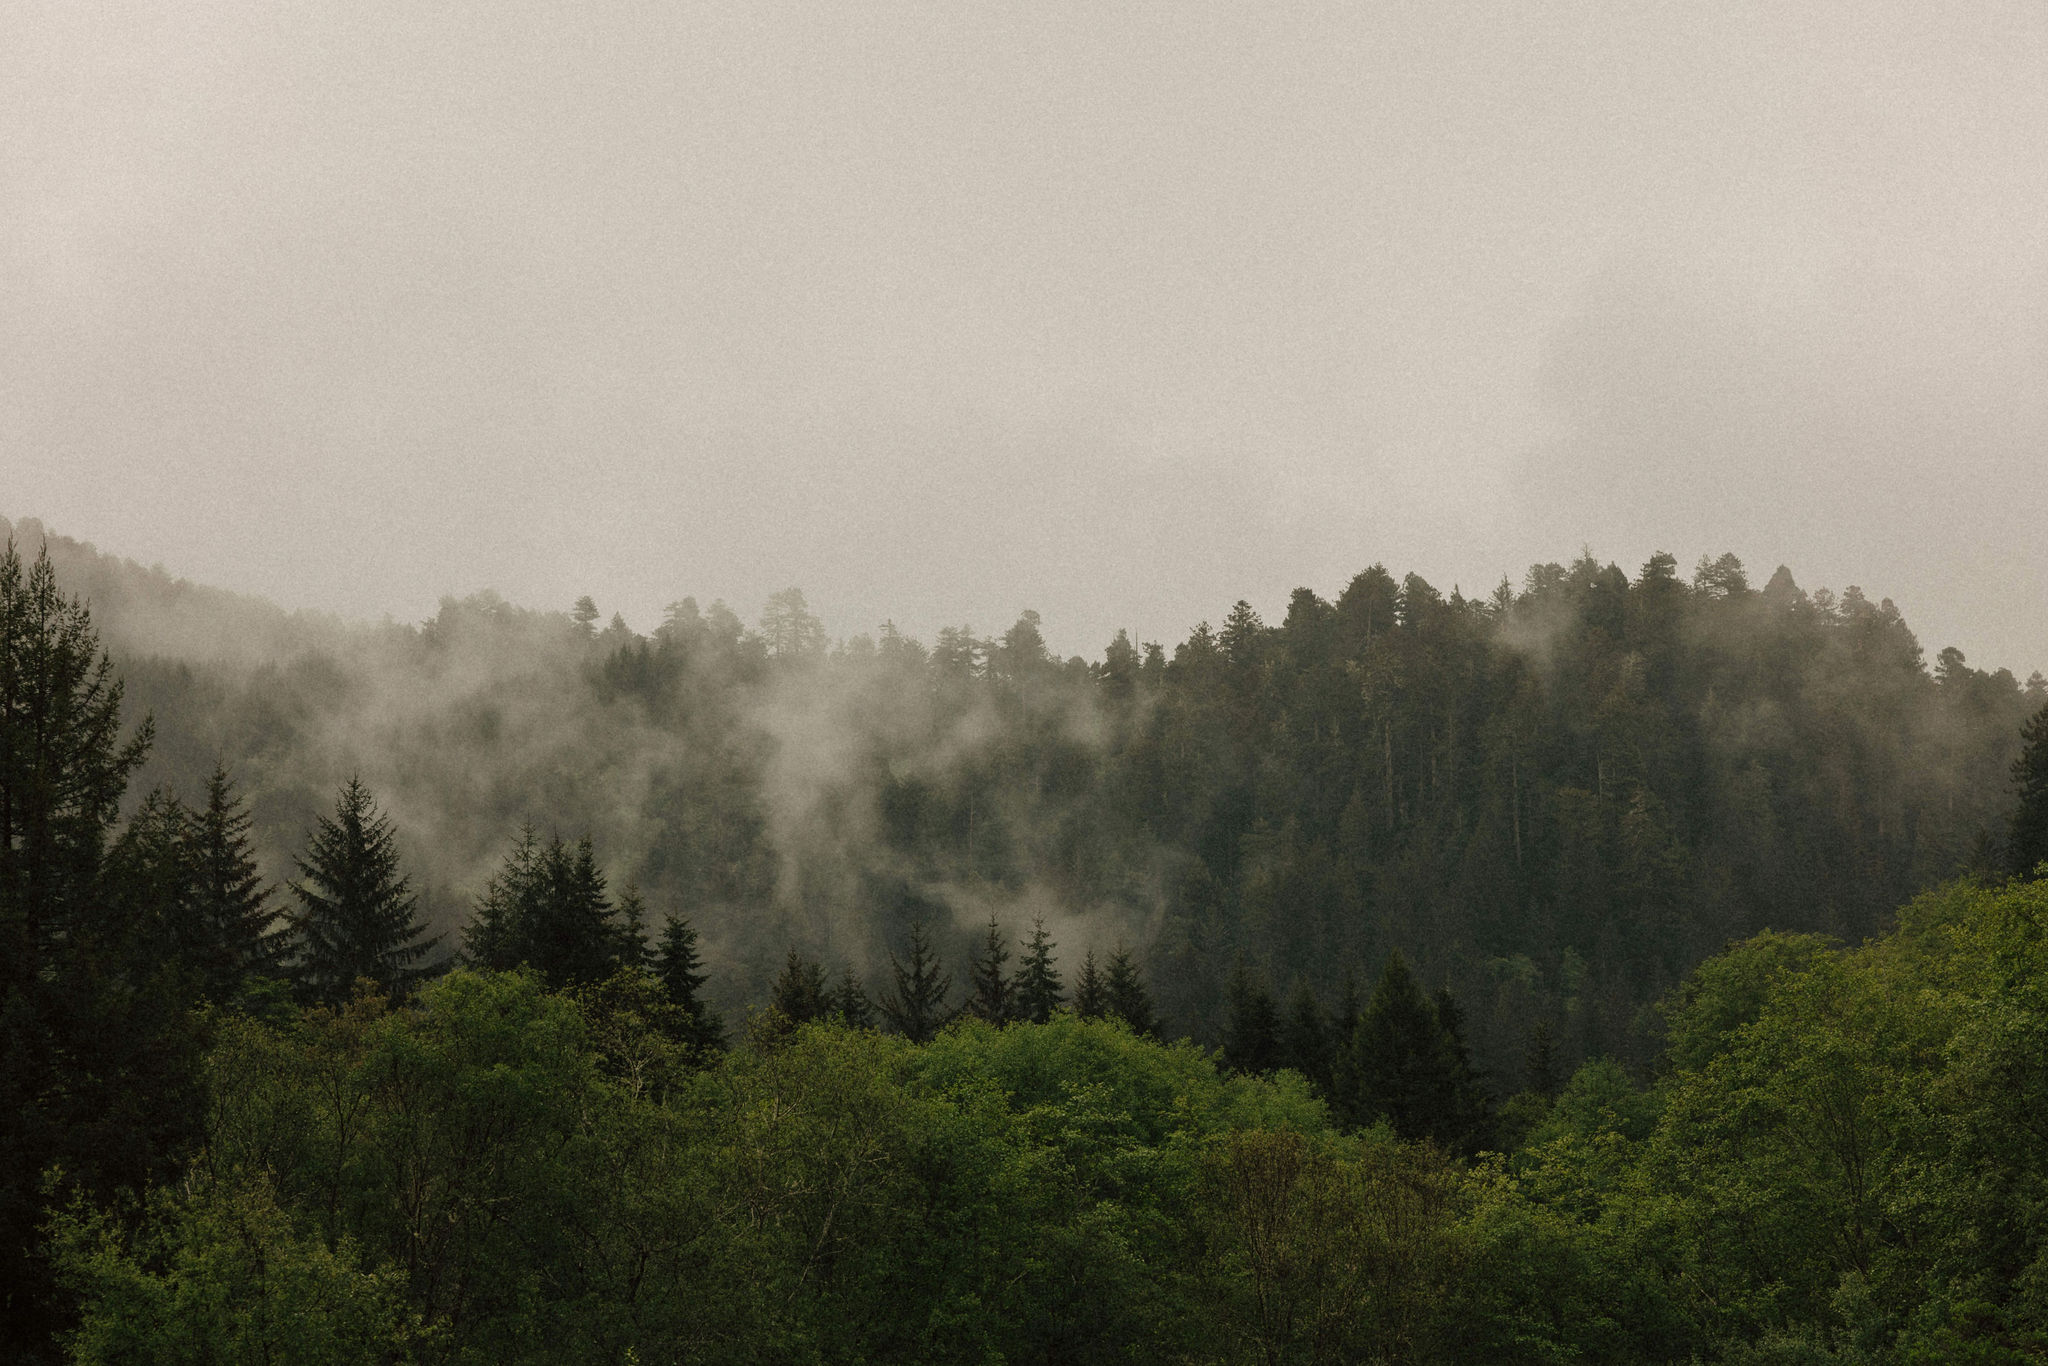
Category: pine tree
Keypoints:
(1465, 1115)
(1251, 1024)
(232, 898)
(496, 936)
(1125, 996)
(992, 995)
(2026, 842)
(630, 926)
(547, 908)
(1038, 985)
(1091, 996)
(850, 1002)
(1401, 1058)
(799, 994)
(916, 1007)
(1305, 1038)
(357, 916)
(677, 967)
(153, 884)
(98, 1061)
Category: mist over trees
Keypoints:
(1545, 991)
(1553, 799)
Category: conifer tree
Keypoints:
(916, 1006)
(496, 936)
(1251, 1024)
(1305, 1038)
(1125, 996)
(1091, 996)
(993, 996)
(547, 908)
(1540, 1065)
(1400, 1057)
(98, 1065)
(630, 929)
(1038, 986)
(233, 902)
(850, 1002)
(2027, 840)
(678, 969)
(153, 883)
(357, 916)
(799, 994)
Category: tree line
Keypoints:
(136, 947)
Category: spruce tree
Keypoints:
(1401, 1058)
(800, 994)
(2026, 842)
(547, 908)
(916, 1006)
(992, 995)
(629, 927)
(1038, 986)
(153, 884)
(678, 969)
(1125, 996)
(1251, 1024)
(1091, 996)
(233, 902)
(357, 916)
(1305, 1038)
(98, 1064)
(850, 1002)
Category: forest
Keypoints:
(1605, 969)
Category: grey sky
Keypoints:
(942, 311)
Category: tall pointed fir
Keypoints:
(233, 902)
(1091, 997)
(992, 995)
(357, 917)
(1125, 994)
(1251, 1024)
(916, 1005)
(1038, 985)
(547, 908)
(850, 1002)
(496, 936)
(800, 995)
(2026, 842)
(680, 972)
(98, 1068)
(1305, 1038)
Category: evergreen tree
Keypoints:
(1038, 985)
(1251, 1024)
(1405, 1063)
(799, 994)
(152, 881)
(98, 1062)
(1091, 996)
(233, 902)
(1540, 1067)
(1125, 996)
(357, 916)
(547, 908)
(677, 968)
(2027, 841)
(630, 924)
(916, 1007)
(1465, 1118)
(850, 1002)
(992, 995)
(1305, 1038)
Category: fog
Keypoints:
(1118, 313)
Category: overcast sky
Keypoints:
(941, 311)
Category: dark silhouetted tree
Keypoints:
(233, 902)
(677, 967)
(1125, 996)
(357, 917)
(1091, 996)
(916, 1006)
(850, 1002)
(2026, 841)
(1251, 1024)
(1038, 985)
(992, 997)
(800, 994)
(1305, 1038)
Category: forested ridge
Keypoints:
(511, 987)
